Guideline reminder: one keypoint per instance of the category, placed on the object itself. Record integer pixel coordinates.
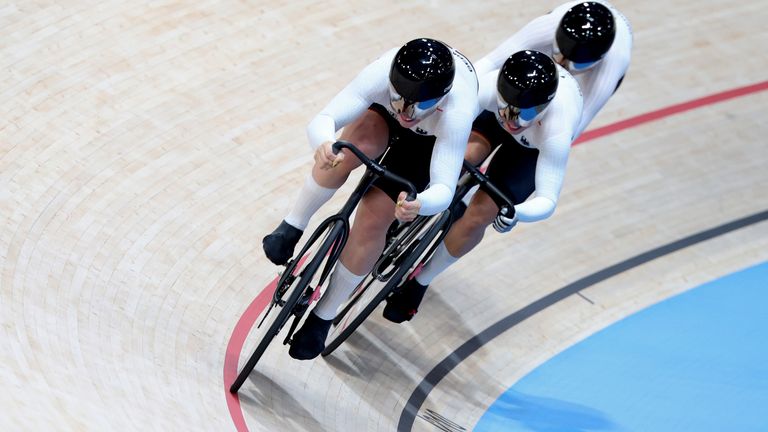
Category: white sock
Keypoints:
(311, 197)
(440, 261)
(341, 285)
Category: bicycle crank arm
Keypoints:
(294, 324)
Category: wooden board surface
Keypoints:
(145, 149)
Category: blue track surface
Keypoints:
(695, 362)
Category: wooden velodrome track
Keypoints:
(146, 149)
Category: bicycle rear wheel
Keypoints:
(298, 288)
(361, 304)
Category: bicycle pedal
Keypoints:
(305, 296)
(303, 304)
(292, 329)
(315, 295)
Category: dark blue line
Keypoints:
(419, 395)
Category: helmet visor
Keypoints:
(571, 66)
(412, 110)
(513, 118)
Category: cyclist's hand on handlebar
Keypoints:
(406, 211)
(325, 158)
(504, 224)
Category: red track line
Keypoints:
(244, 325)
(235, 346)
(668, 111)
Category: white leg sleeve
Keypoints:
(311, 197)
(468, 197)
(440, 261)
(341, 285)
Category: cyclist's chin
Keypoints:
(407, 122)
(511, 128)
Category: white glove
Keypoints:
(504, 224)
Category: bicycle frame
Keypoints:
(338, 228)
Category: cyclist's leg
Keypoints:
(404, 303)
(467, 232)
(483, 140)
(464, 235)
(409, 155)
(478, 148)
(370, 133)
(366, 241)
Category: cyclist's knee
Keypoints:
(331, 178)
(478, 148)
(481, 211)
(369, 133)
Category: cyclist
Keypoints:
(532, 109)
(593, 41)
(418, 102)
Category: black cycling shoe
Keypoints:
(278, 246)
(309, 341)
(403, 304)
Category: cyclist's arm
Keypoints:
(369, 86)
(558, 129)
(550, 171)
(446, 163)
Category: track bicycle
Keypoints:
(299, 286)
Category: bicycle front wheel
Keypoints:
(288, 297)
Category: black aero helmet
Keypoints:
(526, 85)
(422, 69)
(585, 33)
